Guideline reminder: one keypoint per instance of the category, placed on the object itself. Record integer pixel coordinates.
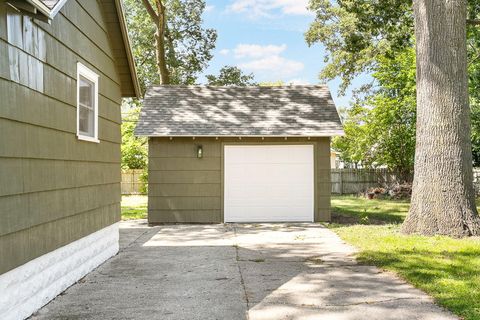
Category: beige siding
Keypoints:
(183, 188)
(54, 188)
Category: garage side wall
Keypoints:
(184, 188)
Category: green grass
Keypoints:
(134, 207)
(447, 269)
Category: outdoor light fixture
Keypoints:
(199, 151)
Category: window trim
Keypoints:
(85, 72)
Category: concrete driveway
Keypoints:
(251, 271)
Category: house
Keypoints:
(238, 154)
(335, 161)
(64, 67)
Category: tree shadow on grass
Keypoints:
(349, 210)
(351, 217)
(451, 276)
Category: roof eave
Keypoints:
(128, 48)
(321, 135)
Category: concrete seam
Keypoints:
(137, 238)
(242, 281)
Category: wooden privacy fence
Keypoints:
(344, 181)
(476, 180)
(131, 183)
(353, 181)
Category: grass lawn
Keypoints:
(447, 269)
(134, 207)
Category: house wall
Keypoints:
(184, 188)
(54, 188)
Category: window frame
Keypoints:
(83, 71)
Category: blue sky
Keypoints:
(266, 37)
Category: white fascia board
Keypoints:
(42, 8)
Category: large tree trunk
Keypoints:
(160, 44)
(443, 199)
(161, 61)
(158, 16)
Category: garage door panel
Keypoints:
(257, 214)
(239, 203)
(291, 191)
(274, 173)
(268, 183)
(273, 154)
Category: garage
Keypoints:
(268, 183)
(238, 154)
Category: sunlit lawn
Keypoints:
(134, 207)
(447, 269)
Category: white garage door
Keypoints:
(268, 183)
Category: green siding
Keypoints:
(183, 188)
(27, 244)
(54, 188)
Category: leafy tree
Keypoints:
(169, 42)
(134, 149)
(380, 128)
(170, 46)
(271, 83)
(475, 118)
(231, 76)
(354, 147)
(473, 45)
(356, 32)
(360, 35)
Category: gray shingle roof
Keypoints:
(238, 111)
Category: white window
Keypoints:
(87, 104)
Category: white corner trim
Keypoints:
(30, 286)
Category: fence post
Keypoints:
(341, 182)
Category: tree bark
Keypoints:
(443, 199)
(160, 44)
(159, 19)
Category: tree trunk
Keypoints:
(160, 45)
(443, 199)
(159, 18)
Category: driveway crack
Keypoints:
(242, 281)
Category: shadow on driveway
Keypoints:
(238, 271)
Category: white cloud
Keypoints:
(209, 8)
(266, 61)
(266, 8)
(274, 67)
(258, 51)
(298, 81)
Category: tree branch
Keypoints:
(473, 22)
(150, 10)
